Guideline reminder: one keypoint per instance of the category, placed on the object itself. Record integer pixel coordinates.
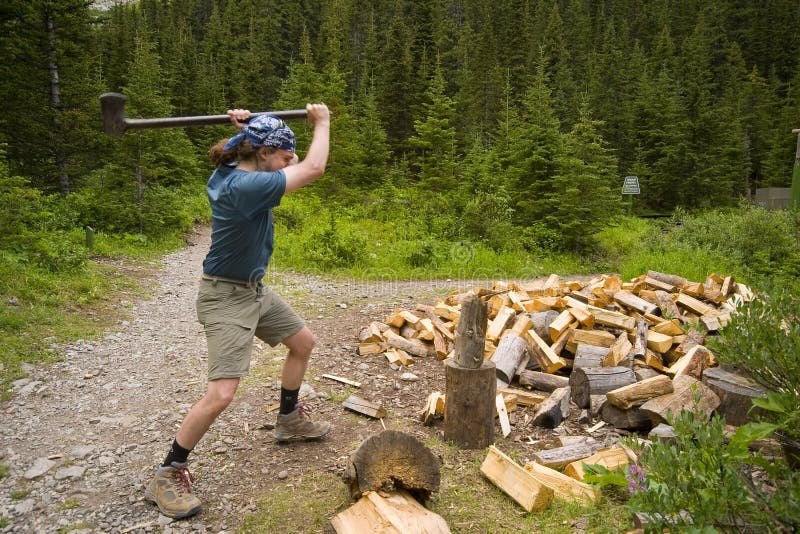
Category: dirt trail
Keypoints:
(82, 436)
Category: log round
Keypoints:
(393, 460)
(508, 355)
(469, 405)
(590, 381)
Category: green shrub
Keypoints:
(715, 479)
(764, 339)
(337, 244)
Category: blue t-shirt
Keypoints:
(242, 230)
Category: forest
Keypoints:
(510, 118)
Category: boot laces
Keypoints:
(184, 478)
(304, 410)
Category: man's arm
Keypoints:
(313, 166)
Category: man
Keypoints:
(255, 168)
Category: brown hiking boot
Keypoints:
(296, 426)
(171, 490)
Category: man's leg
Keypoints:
(292, 424)
(171, 489)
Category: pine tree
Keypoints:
(435, 139)
(584, 194)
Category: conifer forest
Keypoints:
(525, 114)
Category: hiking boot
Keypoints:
(296, 426)
(171, 490)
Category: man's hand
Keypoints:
(318, 114)
(239, 117)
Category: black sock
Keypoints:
(176, 454)
(288, 400)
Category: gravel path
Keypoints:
(82, 436)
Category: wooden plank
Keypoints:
(564, 487)
(517, 483)
(343, 380)
(364, 407)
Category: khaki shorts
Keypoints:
(232, 313)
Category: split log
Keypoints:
(727, 286)
(560, 324)
(411, 346)
(643, 373)
(564, 487)
(542, 381)
(396, 512)
(683, 398)
(451, 313)
(659, 285)
(364, 407)
(696, 361)
(671, 279)
(524, 398)
(558, 345)
(670, 328)
(469, 410)
(619, 352)
(611, 459)
(561, 456)
(398, 356)
(541, 323)
(631, 419)
(629, 300)
(693, 338)
(372, 333)
(598, 338)
(548, 361)
(640, 339)
(585, 318)
(736, 394)
(430, 313)
(369, 348)
(498, 325)
(515, 481)
(658, 342)
(512, 349)
(554, 410)
(393, 460)
(692, 304)
(502, 414)
(612, 318)
(596, 381)
(471, 333)
(667, 305)
(589, 356)
(638, 393)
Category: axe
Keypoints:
(112, 110)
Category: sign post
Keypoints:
(631, 187)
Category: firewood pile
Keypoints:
(626, 353)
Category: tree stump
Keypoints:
(393, 460)
(736, 394)
(469, 408)
(470, 382)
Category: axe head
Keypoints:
(112, 110)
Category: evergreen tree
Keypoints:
(583, 196)
(435, 139)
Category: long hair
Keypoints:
(244, 151)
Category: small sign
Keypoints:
(631, 185)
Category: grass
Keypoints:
(74, 526)
(69, 504)
(465, 500)
(18, 495)
(4, 470)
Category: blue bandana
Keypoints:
(264, 130)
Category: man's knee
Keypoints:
(221, 393)
(301, 343)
